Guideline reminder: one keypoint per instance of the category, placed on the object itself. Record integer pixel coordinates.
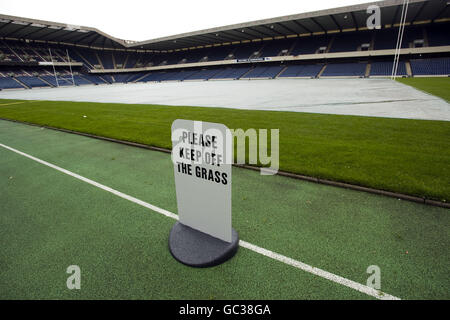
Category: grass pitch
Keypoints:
(400, 155)
(436, 86)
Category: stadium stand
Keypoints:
(216, 54)
(32, 82)
(384, 68)
(350, 41)
(107, 60)
(293, 46)
(385, 39)
(204, 74)
(152, 76)
(434, 66)
(79, 80)
(302, 71)
(135, 76)
(245, 51)
(52, 80)
(277, 48)
(264, 72)
(345, 70)
(123, 78)
(231, 73)
(94, 79)
(438, 35)
(131, 60)
(9, 83)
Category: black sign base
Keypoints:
(197, 249)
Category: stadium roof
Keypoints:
(323, 21)
(32, 29)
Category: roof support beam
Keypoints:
(173, 45)
(301, 26)
(93, 39)
(36, 31)
(439, 14)
(335, 22)
(395, 15)
(226, 37)
(260, 33)
(272, 29)
(355, 21)
(195, 41)
(286, 28)
(419, 11)
(214, 39)
(45, 36)
(85, 36)
(317, 23)
(248, 34)
(69, 33)
(5, 25)
(17, 30)
(241, 35)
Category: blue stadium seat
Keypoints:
(106, 58)
(309, 45)
(309, 70)
(93, 79)
(264, 72)
(384, 68)
(203, 74)
(435, 66)
(32, 82)
(350, 41)
(9, 83)
(80, 80)
(231, 73)
(345, 69)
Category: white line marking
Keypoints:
(270, 254)
(319, 272)
(96, 184)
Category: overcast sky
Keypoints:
(149, 19)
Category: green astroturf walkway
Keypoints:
(49, 220)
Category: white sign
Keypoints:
(202, 157)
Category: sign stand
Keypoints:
(198, 249)
(202, 156)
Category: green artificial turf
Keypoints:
(49, 220)
(436, 86)
(401, 155)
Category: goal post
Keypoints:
(62, 78)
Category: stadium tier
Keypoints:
(31, 81)
(10, 83)
(345, 70)
(297, 71)
(263, 72)
(384, 68)
(330, 44)
(435, 66)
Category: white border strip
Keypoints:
(270, 254)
